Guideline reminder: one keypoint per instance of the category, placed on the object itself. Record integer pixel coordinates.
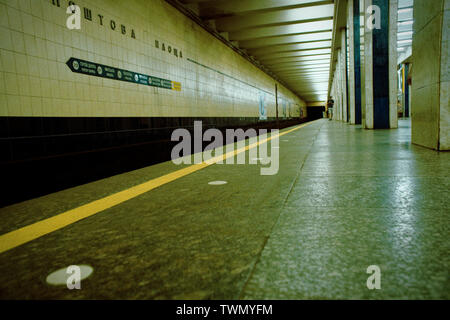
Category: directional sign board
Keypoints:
(101, 70)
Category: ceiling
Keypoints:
(291, 39)
(405, 25)
(405, 22)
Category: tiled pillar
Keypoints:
(355, 61)
(430, 114)
(336, 89)
(363, 77)
(337, 101)
(333, 92)
(380, 53)
(406, 90)
(338, 104)
(343, 79)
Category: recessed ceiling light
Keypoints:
(406, 23)
(405, 10)
(404, 41)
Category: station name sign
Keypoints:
(88, 16)
(113, 73)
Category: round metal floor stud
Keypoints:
(216, 183)
(59, 277)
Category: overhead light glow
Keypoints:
(406, 23)
(405, 10)
(404, 41)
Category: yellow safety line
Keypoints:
(33, 231)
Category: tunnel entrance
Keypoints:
(315, 113)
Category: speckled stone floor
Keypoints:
(344, 199)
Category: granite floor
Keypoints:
(344, 198)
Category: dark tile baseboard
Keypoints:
(44, 155)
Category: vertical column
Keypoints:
(355, 61)
(406, 90)
(343, 79)
(363, 91)
(380, 50)
(430, 113)
(336, 96)
(276, 105)
(392, 60)
(332, 94)
(338, 101)
(347, 71)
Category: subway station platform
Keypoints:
(344, 199)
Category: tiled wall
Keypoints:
(35, 81)
(60, 128)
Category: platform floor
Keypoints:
(344, 199)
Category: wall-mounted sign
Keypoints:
(88, 16)
(100, 70)
(176, 52)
